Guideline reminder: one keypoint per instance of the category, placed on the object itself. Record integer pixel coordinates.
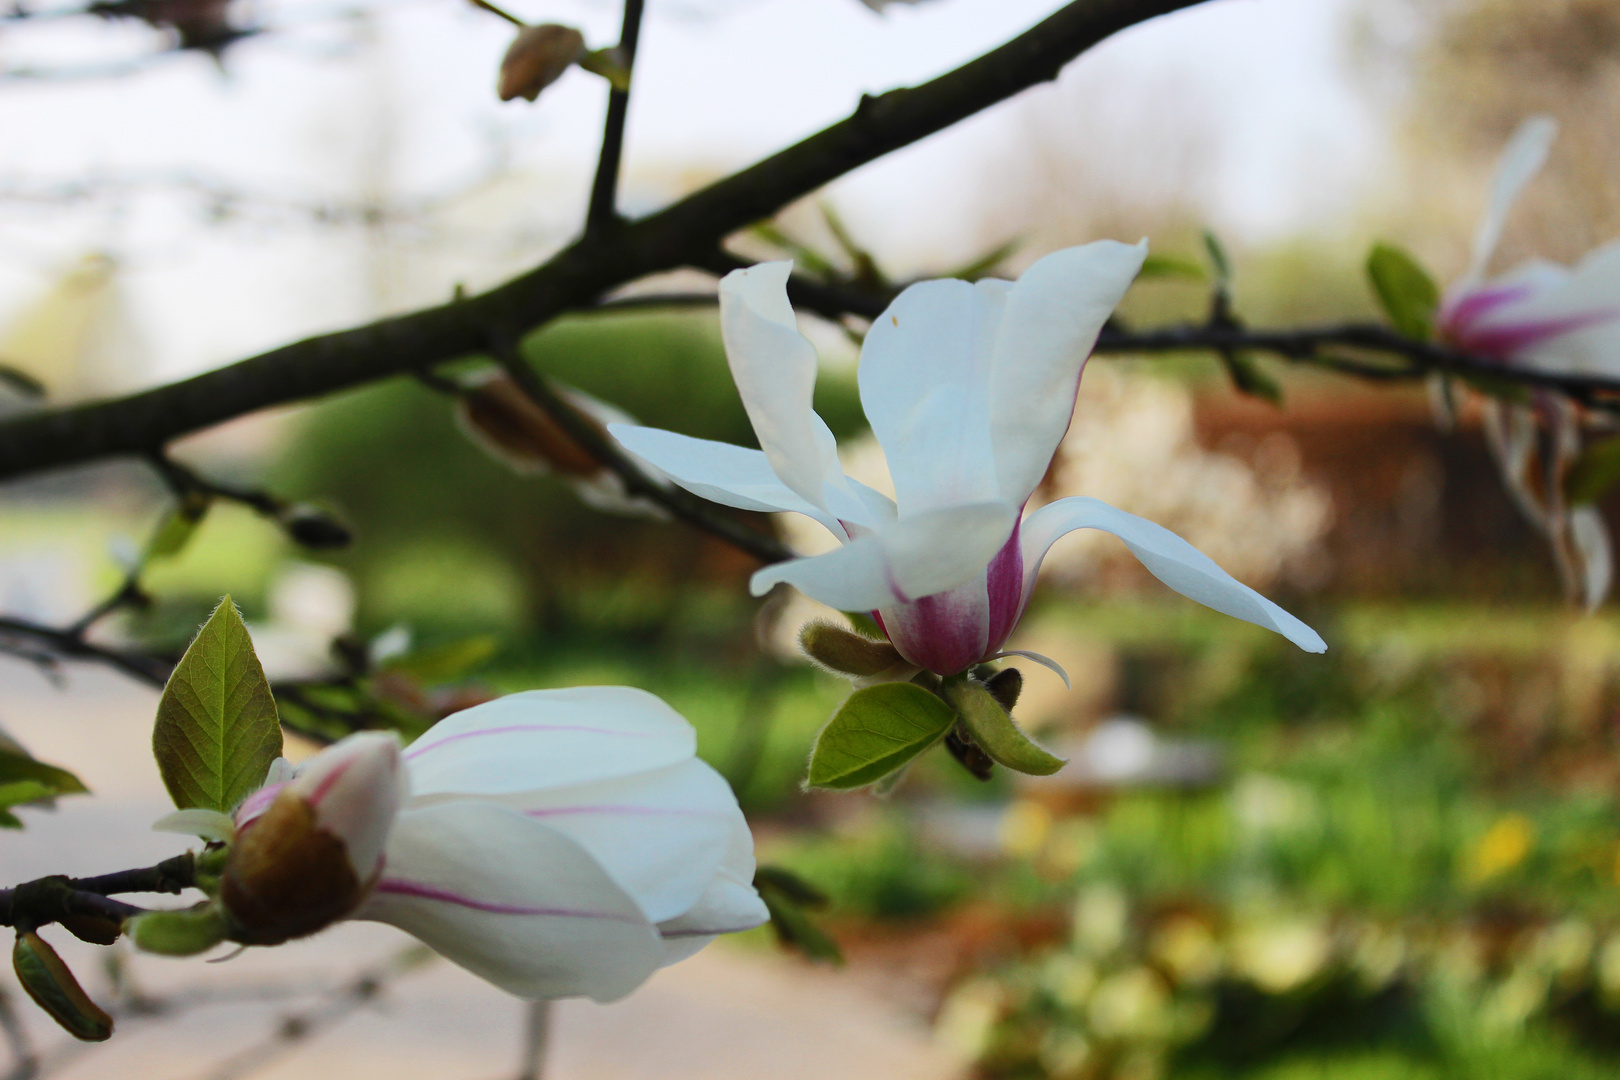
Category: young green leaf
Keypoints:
(1218, 260)
(1250, 378)
(1171, 266)
(1594, 472)
(216, 731)
(52, 986)
(875, 732)
(16, 765)
(796, 929)
(178, 527)
(1407, 293)
(446, 662)
(996, 734)
(18, 793)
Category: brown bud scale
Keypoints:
(287, 877)
(501, 418)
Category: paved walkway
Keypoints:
(729, 1012)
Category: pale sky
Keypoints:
(319, 114)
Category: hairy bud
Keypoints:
(496, 413)
(315, 528)
(1005, 686)
(308, 849)
(845, 651)
(180, 933)
(52, 986)
(537, 58)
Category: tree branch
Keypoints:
(575, 278)
(603, 212)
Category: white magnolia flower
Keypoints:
(1540, 314)
(556, 842)
(969, 388)
(1547, 317)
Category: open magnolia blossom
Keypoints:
(1540, 314)
(968, 388)
(1547, 317)
(556, 842)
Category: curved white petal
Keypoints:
(548, 738)
(1523, 157)
(774, 367)
(1569, 318)
(1167, 556)
(660, 835)
(1053, 316)
(729, 904)
(200, 822)
(514, 902)
(356, 787)
(925, 386)
(911, 558)
(720, 472)
(1590, 538)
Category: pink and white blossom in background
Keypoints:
(558, 843)
(969, 388)
(1540, 314)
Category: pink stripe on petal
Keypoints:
(1509, 340)
(328, 780)
(1470, 307)
(416, 890)
(416, 751)
(257, 803)
(669, 935)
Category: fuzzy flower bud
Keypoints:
(537, 57)
(309, 848)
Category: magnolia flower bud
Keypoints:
(537, 58)
(845, 652)
(496, 413)
(308, 849)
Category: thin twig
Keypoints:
(536, 1034)
(603, 212)
(678, 501)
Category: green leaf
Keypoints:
(1248, 377)
(986, 264)
(52, 986)
(993, 729)
(1171, 266)
(23, 791)
(1217, 257)
(445, 662)
(216, 731)
(795, 928)
(1407, 293)
(15, 766)
(875, 732)
(1594, 472)
(177, 529)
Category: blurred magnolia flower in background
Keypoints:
(557, 843)
(969, 389)
(1540, 314)
(1552, 318)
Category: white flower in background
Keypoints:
(557, 843)
(1540, 314)
(969, 389)
(1545, 317)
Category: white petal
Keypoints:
(548, 738)
(1575, 312)
(730, 903)
(197, 821)
(910, 559)
(1053, 316)
(1167, 556)
(720, 472)
(774, 367)
(660, 835)
(925, 386)
(1525, 154)
(1590, 538)
(514, 902)
(356, 787)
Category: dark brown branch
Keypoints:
(52, 899)
(603, 212)
(681, 503)
(684, 233)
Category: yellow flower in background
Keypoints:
(1504, 846)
